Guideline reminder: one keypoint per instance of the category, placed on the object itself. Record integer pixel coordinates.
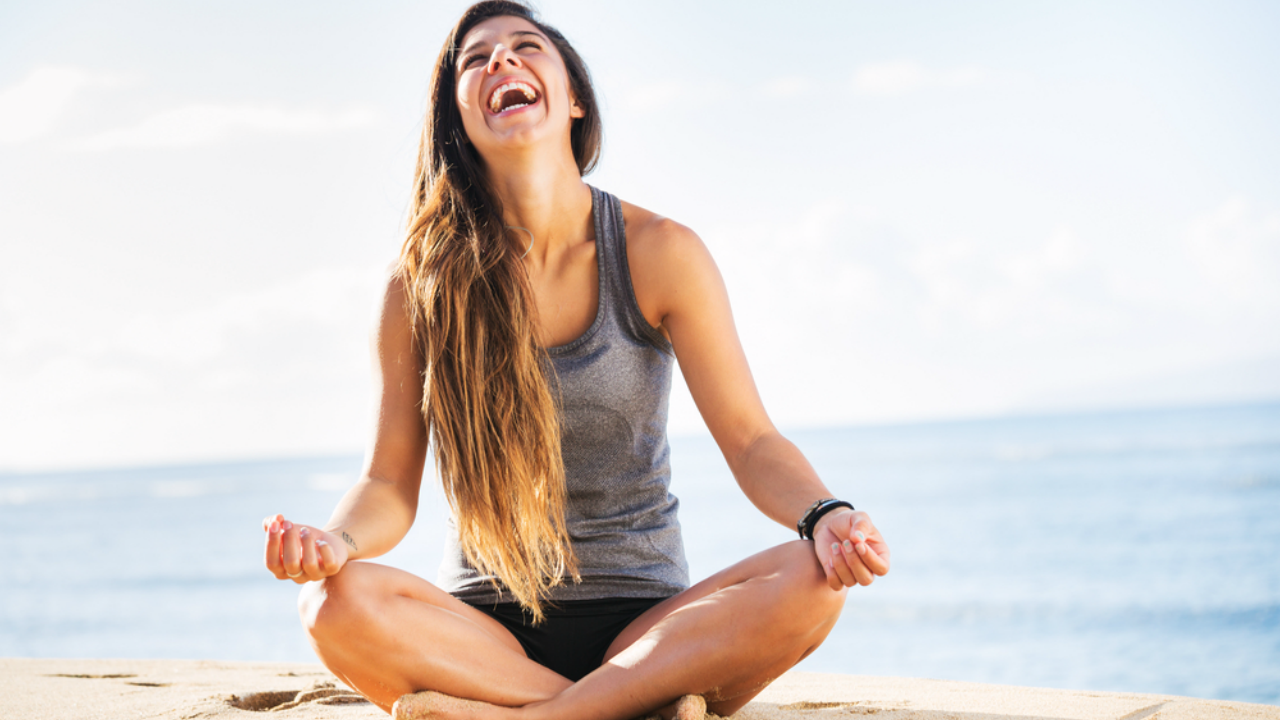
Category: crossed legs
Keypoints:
(387, 633)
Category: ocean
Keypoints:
(1127, 551)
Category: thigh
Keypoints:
(791, 562)
(383, 583)
(732, 634)
(387, 632)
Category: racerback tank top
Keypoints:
(613, 382)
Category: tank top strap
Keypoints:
(614, 386)
(618, 297)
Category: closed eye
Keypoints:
(470, 60)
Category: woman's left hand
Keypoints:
(301, 553)
(850, 549)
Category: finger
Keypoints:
(865, 546)
(872, 559)
(328, 561)
(840, 566)
(856, 566)
(833, 580)
(866, 537)
(310, 567)
(272, 551)
(291, 552)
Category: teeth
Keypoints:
(495, 99)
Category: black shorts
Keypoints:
(576, 633)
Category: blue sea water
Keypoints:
(1128, 551)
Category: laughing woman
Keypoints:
(527, 337)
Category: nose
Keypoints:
(502, 57)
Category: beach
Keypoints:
(1080, 566)
(66, 689)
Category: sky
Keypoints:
(922, 210)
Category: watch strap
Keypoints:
(810, 519)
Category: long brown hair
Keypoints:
(487, 397)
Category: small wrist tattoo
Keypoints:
(350, 541)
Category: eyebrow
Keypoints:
(466, 52)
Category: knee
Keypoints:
(813, 598)
(329, 606)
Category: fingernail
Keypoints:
(835, 548)
(862, 548)
(860, 536)
(848, 546)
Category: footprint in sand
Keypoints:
(321, 693)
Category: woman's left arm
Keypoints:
(680, 290)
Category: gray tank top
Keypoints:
(614, 381)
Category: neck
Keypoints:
(544, 194)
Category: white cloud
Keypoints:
(847, 314)
(1237, 252)
(1222, 269)
(1047, 288)
(326, 300)
(31, 108)
(789, 86)
(202, 124)
(903, 76)
(279, 369)
(1060, 254)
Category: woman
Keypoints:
(528, 335)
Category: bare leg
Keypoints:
(387, 633)
(725, 638)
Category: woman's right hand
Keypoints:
(301, 553)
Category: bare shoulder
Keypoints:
(651, 236)
(666, 258)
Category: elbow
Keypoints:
(739, 454)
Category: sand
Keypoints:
(187, 689)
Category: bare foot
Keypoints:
(438, 706)
(689, 707)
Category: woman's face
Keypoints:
(513, 88)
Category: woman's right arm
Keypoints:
(378, 511)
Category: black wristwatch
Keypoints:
(815, 512)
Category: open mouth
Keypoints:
(511, 96)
